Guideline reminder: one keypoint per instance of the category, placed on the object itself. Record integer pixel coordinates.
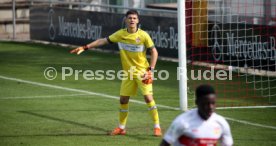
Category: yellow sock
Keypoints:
(123, 115)
(154, 113)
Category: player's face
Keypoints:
(132, 21)
(206, 106)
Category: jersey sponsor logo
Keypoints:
(131, 47)
(187, 141)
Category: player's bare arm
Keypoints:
(94, 44)
(153, 58)
(97, 43)
(148, 76)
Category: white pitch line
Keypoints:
(43, 96)
(247, 107)
(251, 123)
(115, 97)
(79, 91)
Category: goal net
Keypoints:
(236, 38)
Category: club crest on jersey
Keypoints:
(138, 40)
(217, 130)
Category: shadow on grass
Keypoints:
(138, 137)
(62, 120)
(138, 110)
(60, 134)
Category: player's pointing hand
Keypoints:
(79, 50)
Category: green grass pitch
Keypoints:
(38, 112)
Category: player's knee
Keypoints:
(124, 99)
(148, 98)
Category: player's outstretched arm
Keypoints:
(96, 43)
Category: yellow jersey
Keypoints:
(133, 47)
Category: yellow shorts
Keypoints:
(129, 87)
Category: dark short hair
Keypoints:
(203, 90)
(132, 12)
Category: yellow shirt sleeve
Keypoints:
(148, 41)
(115, 37)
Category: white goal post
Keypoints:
(182, 70)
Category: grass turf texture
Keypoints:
(35, 115)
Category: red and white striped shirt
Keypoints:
(189, 129)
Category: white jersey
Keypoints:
(189, 129)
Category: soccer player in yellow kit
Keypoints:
(133, 43)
